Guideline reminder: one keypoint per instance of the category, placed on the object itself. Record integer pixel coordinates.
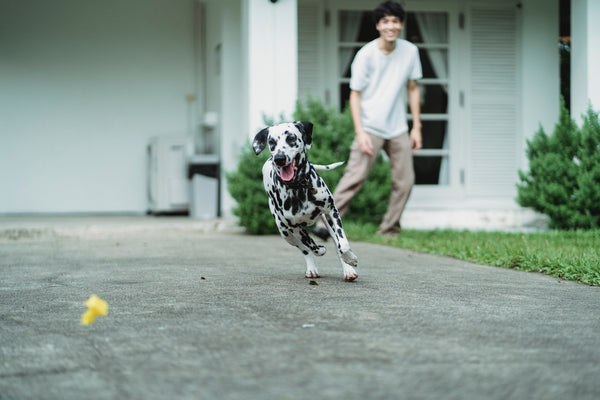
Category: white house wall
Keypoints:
(83, 86)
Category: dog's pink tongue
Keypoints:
(287, 172)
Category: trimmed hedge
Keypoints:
(563, 180)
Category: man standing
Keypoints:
(383, 72)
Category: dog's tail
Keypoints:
(327, 167)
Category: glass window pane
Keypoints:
(346, 56)
(356, 26)
(434, 63)
(344, 95)
(427, 170)
(434, 134)
(434, 99)
(427, 27)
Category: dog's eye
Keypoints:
(272, 143)
(291, 139)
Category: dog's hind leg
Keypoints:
(346, 255)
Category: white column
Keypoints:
(585, 56)
(272, 72)
(541, 65)
(228, 61)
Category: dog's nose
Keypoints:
(280, 159)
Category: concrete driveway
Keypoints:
(203, 311)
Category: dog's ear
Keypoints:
(306, 129)
(260, 141)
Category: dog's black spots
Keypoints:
(308, 242)
(315, 214)
(291, 139)
(290, 224)
(340, 232)
(302, 196)
(304, 252)
(292, 205)
(296, 205)
(319, 203)
(276, 198)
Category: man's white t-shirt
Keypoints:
(382, 80)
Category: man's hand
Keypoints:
(414, 102)
(416, 139)
(365, 144)
(362, 137)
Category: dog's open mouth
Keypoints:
(288, 172)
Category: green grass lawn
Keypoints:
(569, 255)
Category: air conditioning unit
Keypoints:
(168, 185)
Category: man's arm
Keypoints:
(414, 102)
(364, 141)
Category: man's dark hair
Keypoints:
(389, 8)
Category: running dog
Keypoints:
(298, 196)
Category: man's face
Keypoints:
(389, 27)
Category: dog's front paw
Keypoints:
(349, 273)
(312, 273)
(350, 258)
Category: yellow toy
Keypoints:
(96, 306)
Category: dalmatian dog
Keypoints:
(298, 196)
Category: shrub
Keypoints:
(333, 133)
(564, 173)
